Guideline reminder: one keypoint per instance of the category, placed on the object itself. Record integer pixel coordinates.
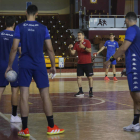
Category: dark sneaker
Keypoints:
(90, 94)
(79, 94)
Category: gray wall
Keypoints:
(59, 6)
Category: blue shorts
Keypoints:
(113, 63)
(134, 81)
(39, 76)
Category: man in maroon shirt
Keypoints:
(83, 48)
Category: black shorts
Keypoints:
(85, 68)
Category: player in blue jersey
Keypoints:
(111, 46)
(131, 48)
(6, 41)
(32, 36)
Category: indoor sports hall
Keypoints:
(88, 104)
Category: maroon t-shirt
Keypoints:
(84, 57)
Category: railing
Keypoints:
(93, 61)
(21, 13)
(105, 21)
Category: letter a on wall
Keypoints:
(93, 1)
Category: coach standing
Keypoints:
(83, 48)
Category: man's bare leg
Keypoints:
(1, 91)
(90, 80)
(47, 105)
(106, 73)
(79, 81)
(24, 106)
(135, 124)
(14, 103)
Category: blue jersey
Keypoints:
(132, 55)
(111, 47)
(32, 35)
(6, 41)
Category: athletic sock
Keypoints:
(80, 89)
(24, 122)
(91, 89)
(50, 121)
(105, 75)
(136, 118)
(14, 110)
(114, 75)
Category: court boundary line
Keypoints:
(5, 118)
(84, 111)
(114, 102)
(75, 73)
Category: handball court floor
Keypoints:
(99, 118)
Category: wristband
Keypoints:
(85, 48)
(112, 59)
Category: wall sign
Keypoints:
(93, 1)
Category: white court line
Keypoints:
(75, 74)
(86, 111)
(4, 117)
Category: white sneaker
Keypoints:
(132, 127)
(15, 119)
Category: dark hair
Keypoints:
(111, 34)
(131, 16)
(9, 21)
(32, 10)
(81, 32)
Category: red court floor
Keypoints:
(100, 118)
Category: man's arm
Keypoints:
(48, 48)
(12, 54)
(85, 48)
(19, 49)
(101, 49)
(118, 53)
(119, 58)
(72, 51)
(129, 37)
(122, 49)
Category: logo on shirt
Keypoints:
(134, 68)
(33, 25)
(134, 64)
(135, 73)
(135, 78)
(134, 59)
(133, 54)
(5, 38)
(32, 30)
(135, 83)
(82, 43)
(6, 34)
(135, 87)
(111, 45)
